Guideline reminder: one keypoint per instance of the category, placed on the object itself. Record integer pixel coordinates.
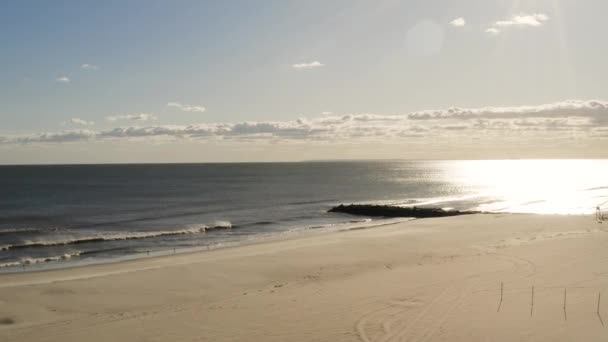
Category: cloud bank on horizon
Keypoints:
(555, 120)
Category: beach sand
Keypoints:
(423, 280)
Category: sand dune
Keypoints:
(423, 280)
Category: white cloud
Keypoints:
(186, 108)
(327, 113)
(536, 19)
(79, 122)
(54, 137)
(311, 65)
(553, 120)
(595, 111)
(91, 67)
(458, 22)
(63, 79)
(134, 117)
(522, 20)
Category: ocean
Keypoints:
(66, 215)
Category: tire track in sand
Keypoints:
(387, 322)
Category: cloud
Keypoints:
(91, 67)
(534, 20)
(596, 112)
(79, 122)
(54, 137)
(522, 20)
(311, 65)
(134, 117)
(553, 120)
(63, 79)
(186, 108)
(327, 113)
(458, 22)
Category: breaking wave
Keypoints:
(32, 261)
(115, 236)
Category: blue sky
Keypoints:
(238, 60)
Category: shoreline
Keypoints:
(135, 259)
(70, 264)
(435, 279)
(74, 259)
(161, 254)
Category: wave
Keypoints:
(342, 224)
(19, 230)
(32, 261)
(361, 220)
(311, 202)
(357, 224)
(146, 218)
(220, 225)
(263, 223)
(116, 236)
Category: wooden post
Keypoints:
(500, 302)
(532, 302)
(565, 296)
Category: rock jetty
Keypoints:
(394, 211)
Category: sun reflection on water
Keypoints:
(534, 186)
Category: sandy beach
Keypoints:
(423, 280)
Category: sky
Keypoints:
(239, 81)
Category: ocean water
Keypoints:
(56, 216)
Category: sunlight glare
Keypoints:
(536, 186)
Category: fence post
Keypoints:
(532, 303)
